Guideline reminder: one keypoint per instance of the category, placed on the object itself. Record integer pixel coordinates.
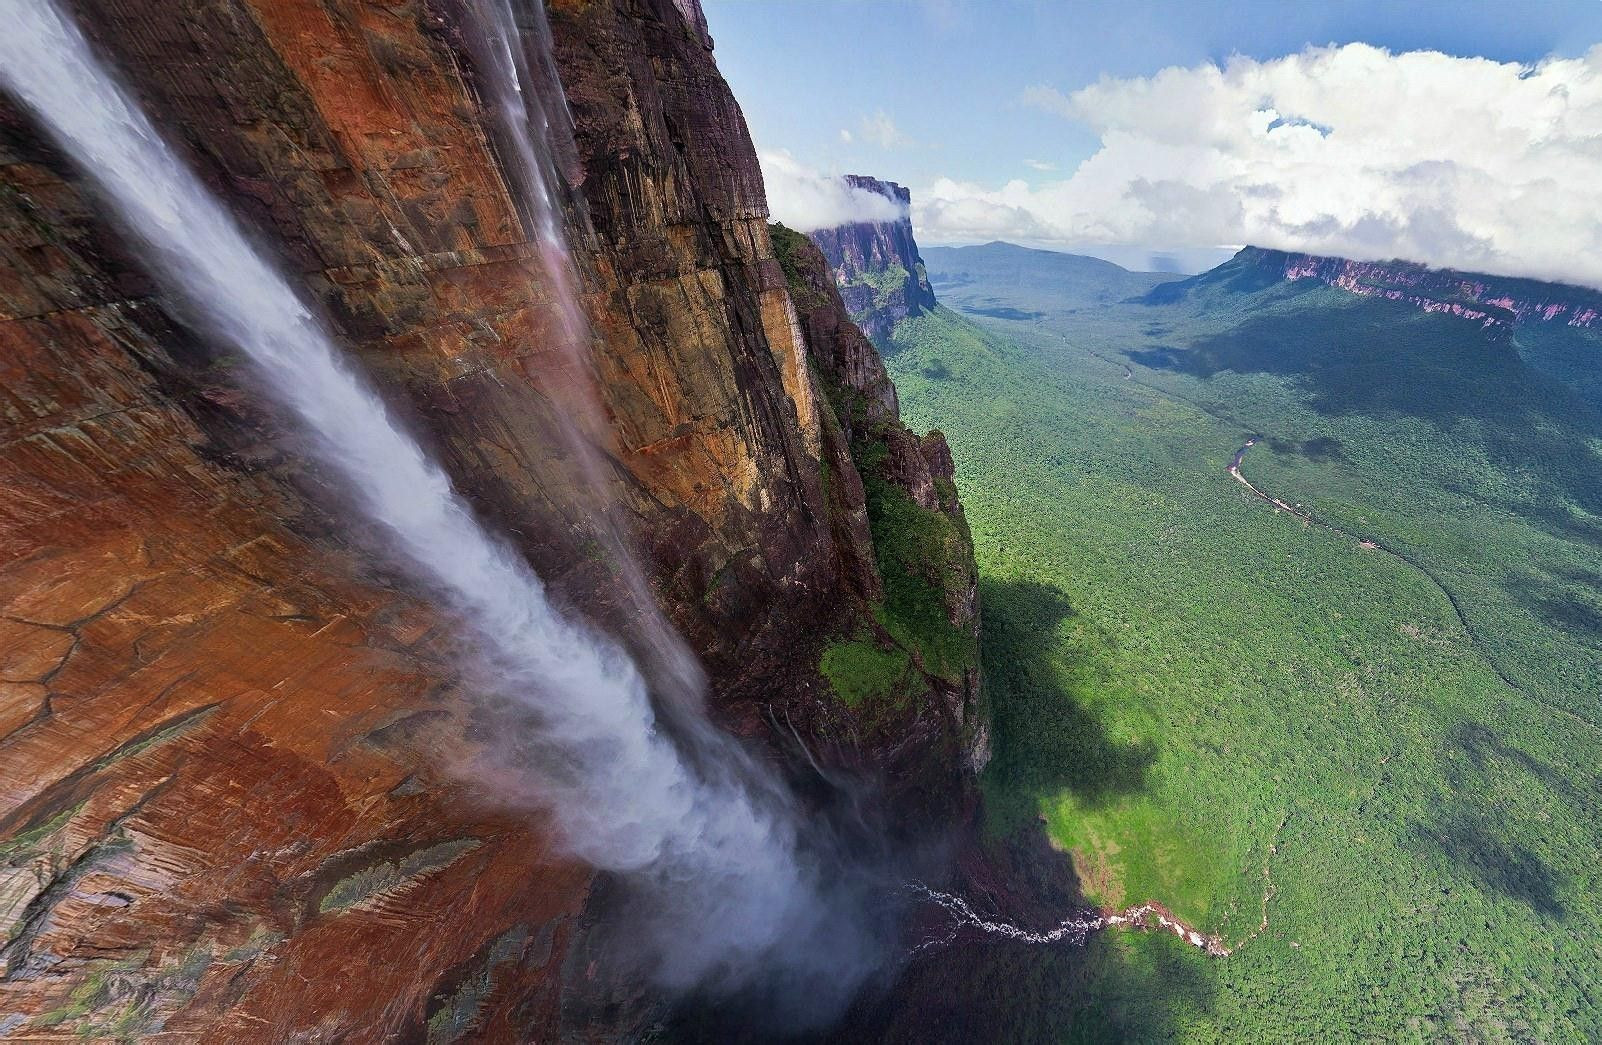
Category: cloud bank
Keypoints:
(1355, 151)
(805, 199)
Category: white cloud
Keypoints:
(804, 199)
(1040, 165)
(845, 136)
(1048, 99)
(1460, 162)
(881, 130)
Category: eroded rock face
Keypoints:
(242, 787)
(220, 790)
(876, 265)
(704, 374)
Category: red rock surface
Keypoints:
(1492, 301)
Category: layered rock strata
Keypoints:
(1493, 301)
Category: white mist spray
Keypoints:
(712, 842)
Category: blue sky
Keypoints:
(941, 89)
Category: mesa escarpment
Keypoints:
(1492, 300)
(876, 265)
(230, 798)
(1553, 328)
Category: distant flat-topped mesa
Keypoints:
(1491, 300)
(876, 263)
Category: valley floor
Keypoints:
(1258, 719)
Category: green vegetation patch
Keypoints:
(797, 256)
(158, 735)
(104, 986)
(922, 557)
(884, 281)
(862, 672)
(27, 842)
(458, 1013)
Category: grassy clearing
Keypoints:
(861, 672)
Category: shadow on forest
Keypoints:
(1046, 739)
(1483, 748)
(1558, 607)
(982, 988)
(1002, 312)
(1591, 579)
(1375, 359)
(1562, 522)
(1467, 838)
(1474, 833)
(1551, 517)
(1321, 449)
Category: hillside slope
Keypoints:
(1556, 327)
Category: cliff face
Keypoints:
(1493, 301)
(876, 265)
(917, 635)
(225, 809)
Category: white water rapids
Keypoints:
(711, 839)
(1074, 930)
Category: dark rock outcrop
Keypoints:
(876, 265)
(223, 808)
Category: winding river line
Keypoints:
(1372, 542)
(1076, 928)
(1153, 915)
(1378, 544)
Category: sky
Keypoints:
(1166, 134)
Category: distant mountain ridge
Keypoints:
(876, 265)
(1037, 281)
(1490, 300)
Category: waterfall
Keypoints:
(710, 840)
(510, 43)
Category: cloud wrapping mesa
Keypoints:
(805, 200)
(1353, 151)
